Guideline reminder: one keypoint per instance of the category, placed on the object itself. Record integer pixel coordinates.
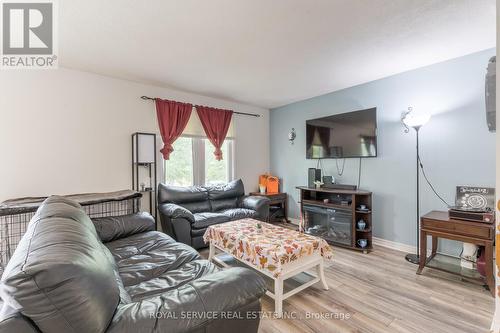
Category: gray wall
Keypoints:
(456, 147)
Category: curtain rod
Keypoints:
(236, 112)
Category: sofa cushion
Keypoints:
(193, 198)
(171, 279)
(60, 275)
(233, 290)
(197, 207)
(203, 220)
(239, 213)
(225, 196)
(232, 189)
(149, 255)
(221, 204)
(113, 227)
(181, 194)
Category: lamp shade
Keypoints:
(416, 120)
(145, 148)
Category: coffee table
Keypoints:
(274, 251)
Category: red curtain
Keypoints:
(172, 119)
(215, 122)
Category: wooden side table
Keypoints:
(438, 225)
(277, 199)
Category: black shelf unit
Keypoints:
(147, 161)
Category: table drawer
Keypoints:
(277, 196)
(465, 229)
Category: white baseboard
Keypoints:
(401, 247)
(393, 245)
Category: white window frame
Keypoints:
(198, 151)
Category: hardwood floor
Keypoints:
(380, 292)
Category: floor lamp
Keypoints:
(410, 119)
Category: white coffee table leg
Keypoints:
(278, 297)
(321, 274)
(211, 251)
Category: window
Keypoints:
(216, 172)
(179, 169)
(193, 163)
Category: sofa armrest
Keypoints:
(176, 222)
(174, 211)
(114, 227)
(257, 203)
(197, 304)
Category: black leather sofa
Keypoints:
(116, 274)
(186, 212)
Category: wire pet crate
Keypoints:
(15, 214)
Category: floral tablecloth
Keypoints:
(268, 249)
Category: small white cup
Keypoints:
(262, 189)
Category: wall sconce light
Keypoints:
(292, 135)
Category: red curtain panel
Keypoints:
(172, 119)
(215, 122)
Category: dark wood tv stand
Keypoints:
(336, 220)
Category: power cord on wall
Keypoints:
(319, 165)
(340, 171)
(359, 173)
(421, 164)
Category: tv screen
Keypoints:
(345, 135)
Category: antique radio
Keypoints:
(474, 204)
(471, 215)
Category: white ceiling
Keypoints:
(268, 52)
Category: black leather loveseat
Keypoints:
(117, 274)
(186, 212)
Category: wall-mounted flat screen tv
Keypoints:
(345, 135)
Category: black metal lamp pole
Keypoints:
(415, 258)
